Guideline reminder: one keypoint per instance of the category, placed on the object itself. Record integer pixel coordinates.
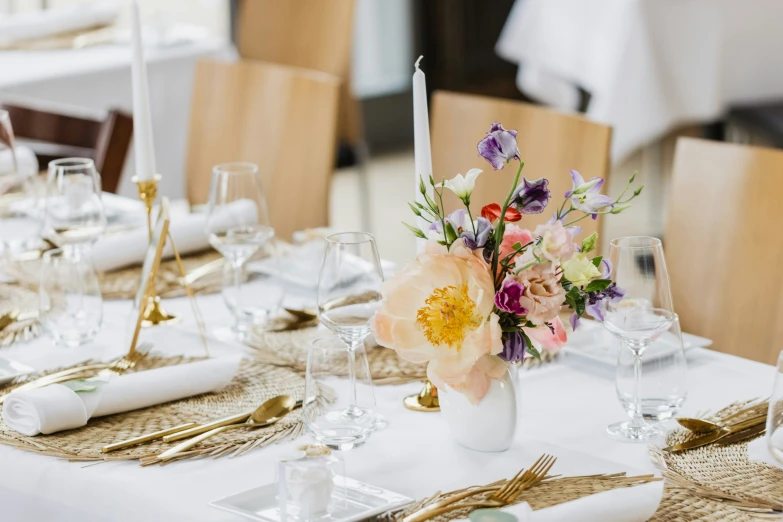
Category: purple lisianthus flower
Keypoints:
(484, 230)
(586, 196)
(458, 219)
(531, 197)
(597, 301)
(499, 146)
(507, 298)
(574, 320)
(514, 346)
(606, 268)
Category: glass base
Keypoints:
(379, 423)
(629, 432)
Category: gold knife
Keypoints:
(146, 438)
(716, 435)
(744, 434)
(225, 421)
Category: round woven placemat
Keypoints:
(254, 383)
(707, 483)
(23, 301)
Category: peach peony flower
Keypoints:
(543, 294)
(438, 309)
(543, 337)
(475, 383)
(512, 235)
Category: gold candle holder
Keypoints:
(154, 314)
(425, 400)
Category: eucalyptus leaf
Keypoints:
(83, 385)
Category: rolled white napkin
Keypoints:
(50, 22)
(189, 232)
(635, 504)
(26, 162)
(56, 407)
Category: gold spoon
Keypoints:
(703, 426)
(267, 414)
(302, 315)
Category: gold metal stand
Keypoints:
(426, 400)
(154, 314)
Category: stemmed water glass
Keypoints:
(238, 228)
(349, 293)
(74, 218)
(643, 314)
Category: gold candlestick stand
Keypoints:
(425, 400)
(154, 314)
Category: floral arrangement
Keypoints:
(487, 292)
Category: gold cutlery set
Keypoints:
(267, 414)
(18, 326)
(726, 433)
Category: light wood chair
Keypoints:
(281, 118)
(550, 143)
(53, 136)
(723, 249)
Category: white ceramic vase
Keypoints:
(488, 425)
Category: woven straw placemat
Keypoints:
(543, 495)
(707, 483)
(15, 298)
(254, 383)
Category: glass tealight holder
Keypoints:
(311, 483)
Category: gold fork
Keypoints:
(502, 497)
(117, 367)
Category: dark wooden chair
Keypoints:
(52, 136)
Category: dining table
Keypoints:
(564, 408)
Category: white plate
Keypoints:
(364, 501)
(592, 341)
(10, 370)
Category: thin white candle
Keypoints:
(142, 117)
(421, 141)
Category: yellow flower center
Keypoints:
(448, 316)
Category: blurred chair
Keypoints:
(282, 118)
(551, 144)
(723, 248)
(317, 35)
(52, 136)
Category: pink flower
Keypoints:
(543, 337)
(474, 384)
(512, 235)
(438, 310)
(557, 243)
(543, 294)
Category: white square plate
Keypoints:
(10, 370)
(364, 501)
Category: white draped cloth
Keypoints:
(649, 65)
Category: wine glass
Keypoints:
(238, 228)
(640, 317)
(342, 422)
(74, 215)
(349, 293)
(9, 168)
(775, 414)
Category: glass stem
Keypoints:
(238, 268)
(637, 419)
(353, 346)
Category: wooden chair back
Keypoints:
(722, 246)
(550, 143)
(313, 34)
(52, 136)
(281, 118)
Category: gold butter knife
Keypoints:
(147, 437)
(744, 434)
(225, 421)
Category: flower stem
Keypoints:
(442, 217)
(472, 223)
(502, 221)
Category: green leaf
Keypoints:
(451, 234)
(532, 351)
(566, 284)
(516, 246)
(576, 300)
(414, 209)
(432, 204)
(597, 261)
(416, 232)
(588, 243)
(598, 284)
(83, 385)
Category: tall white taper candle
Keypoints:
(142, 117)
(421, 141)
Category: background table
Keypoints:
(99, 78)
(565, 407)
(649, 65)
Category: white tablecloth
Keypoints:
(97, 79)
(565, 409)
(648, 64)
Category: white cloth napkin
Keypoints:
(56, 407)
(189, 232)
(26, 162)
(50, 22)
(638, 503)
